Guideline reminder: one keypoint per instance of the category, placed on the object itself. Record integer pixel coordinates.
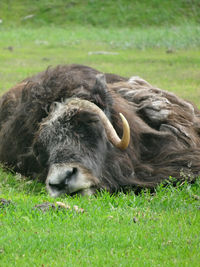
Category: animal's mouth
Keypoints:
(70, 179)
(82, 192)
(85, 192)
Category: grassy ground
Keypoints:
(166, 57)
(120, 13)
(119, 230)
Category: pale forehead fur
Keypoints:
(59, 109)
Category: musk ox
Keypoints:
(80, 130)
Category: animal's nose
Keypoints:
(60, 181)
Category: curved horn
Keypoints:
(110, 131)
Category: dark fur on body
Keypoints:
(165, 130)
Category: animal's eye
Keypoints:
(91, 118)
(86, 118)
(92, 121)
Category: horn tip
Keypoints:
(126, 135)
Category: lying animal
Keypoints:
(64, 127)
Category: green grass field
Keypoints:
(165, 57)
(114, 230)
(160, 44)
(120, 13)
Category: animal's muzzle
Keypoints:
(68, 179)
(63, 181)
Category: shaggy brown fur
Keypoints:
(165, 130)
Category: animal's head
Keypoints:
(74, 139)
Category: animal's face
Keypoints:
(73, 143)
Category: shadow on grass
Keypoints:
(15, 182)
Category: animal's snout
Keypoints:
(69, 178)
(61, 182)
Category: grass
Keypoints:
(122, 229)
(120, 13)
(142, 52)
(115, 230)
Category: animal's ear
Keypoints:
(55, 105)
(100, 95)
